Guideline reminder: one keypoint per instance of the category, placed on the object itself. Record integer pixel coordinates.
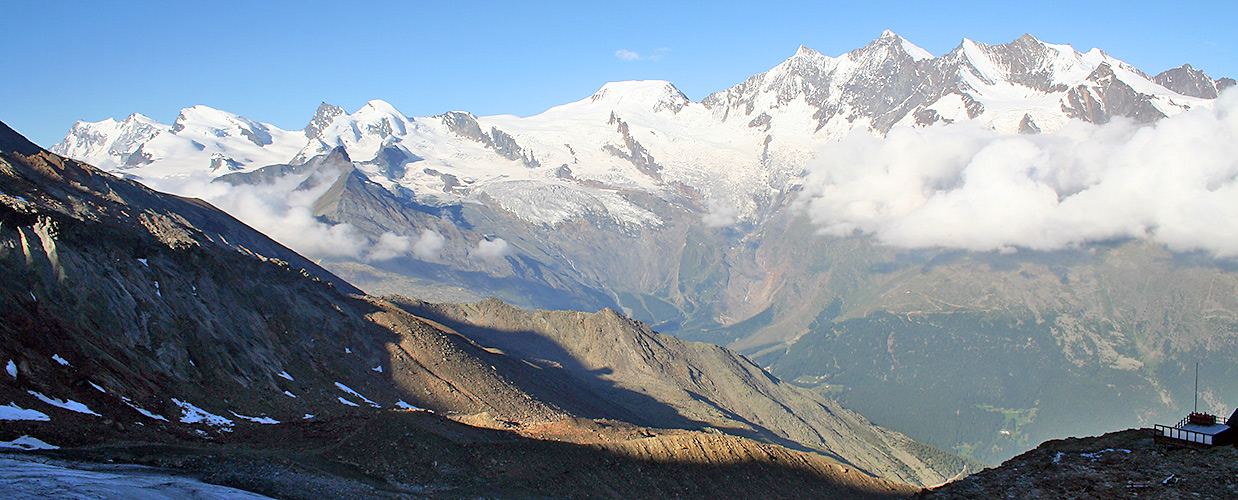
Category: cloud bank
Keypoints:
(961, 186)
(284, 213)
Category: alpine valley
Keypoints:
(703, 219)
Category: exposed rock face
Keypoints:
(1189, 81)
(323, 117)
(1028, 126)
(1104, 97)
(880, 81)
(465, 125)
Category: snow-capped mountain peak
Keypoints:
(736, 149)
(890, 40)
(1026, 61)
(109, 143)
(322, 119)
(207, 124)
(648, 95)
(1188, 81)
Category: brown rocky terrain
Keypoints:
(1125, 464)
(144, 328)
(661, 381)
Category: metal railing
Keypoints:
(1183, 434)
(1199, 419)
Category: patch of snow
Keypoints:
(67, 404)
(11, 369)
(289, 394)
(27, 443)
(143, 261)
(284, 374)
(149, 414)
(307, 416)
(97, 387)
(1058, 457)
(157, 291)
(14, 412)
(378, 368)
(143, 410)
(347, 402)
(256, 420)
(347, 351)
(58, 359)
(404, 405)
(1097, 454)
(915, 51)
(30, 477)
(194, 415)
(32, 297)
(346, 389)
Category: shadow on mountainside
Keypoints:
(502, 330)
(392, 454)
(557, 376)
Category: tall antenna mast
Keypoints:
(1197, 387)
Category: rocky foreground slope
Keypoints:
(146, 328)
(1125, 464)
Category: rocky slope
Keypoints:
(661, 381)
(147, 328)
(1125, 464)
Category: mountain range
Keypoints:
(142, 327)
(698, 218)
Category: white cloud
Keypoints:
(627, 55)
(492, 249)
(429, 245)
(719, 215)
(390, 246)
(961, 186)
(284, 214)
(288, 220)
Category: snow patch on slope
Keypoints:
(13, 412)
(193, 415)
(67, 404)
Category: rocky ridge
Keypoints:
(1125, 464)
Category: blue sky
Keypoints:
(275, 61)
